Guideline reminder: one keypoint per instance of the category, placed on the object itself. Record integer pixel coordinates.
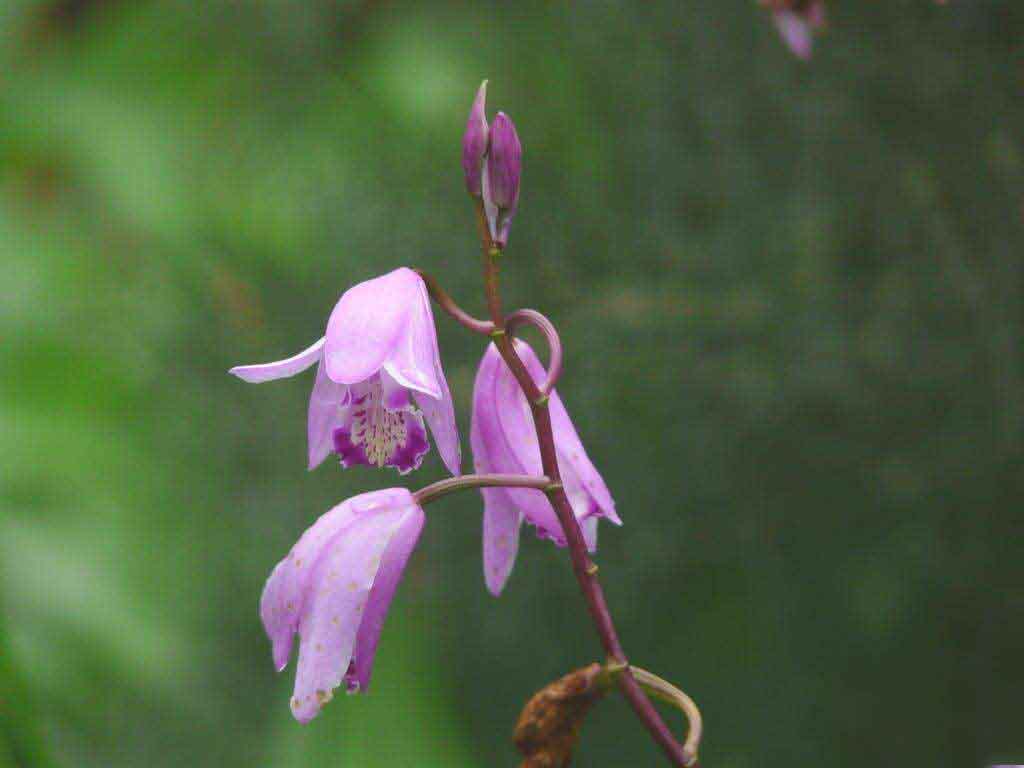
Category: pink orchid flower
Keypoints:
(334, 588)
(503, 440)
(379, 354)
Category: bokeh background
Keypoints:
(791, 297)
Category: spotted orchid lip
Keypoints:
(374, 434)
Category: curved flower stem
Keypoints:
(449, 485)
(447, 303)
(583, 567)
(665, 691)
(545, 326)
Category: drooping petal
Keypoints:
(502, 518)
(286, 589)
(440, 415)
(589, 529)
(796, 32)
(367, 323)
(584, 486)
(396, 555)
(503, 428)
(256, 374)
(372, 435)
(331, 617)
(410, 360)
(517, 429)
(505, 424)
(325, 408)
(502, 522)
(587, 491)
(440, 411)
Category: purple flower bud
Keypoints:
(474, 142)
(504, 163)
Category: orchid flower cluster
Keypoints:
(379, 386)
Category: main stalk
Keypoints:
(583, 567)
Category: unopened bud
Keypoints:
(474, 142)
(504, 166)
(504, 163)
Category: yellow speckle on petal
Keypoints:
(298, 563)
(503, 542)
(318, 648)
(334, 620)
(295, 703)
(352, 586)
(323, 697)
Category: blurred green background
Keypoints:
(791, 298)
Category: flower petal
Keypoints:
(514, 440)
(399, 548)
(331, 618)
(256, 374)
(795, 32)
(584, 486)
(411, 359)
(502, 522)
(285, 592)
(367, 323)
(504, 426)
(326, 405)
(589, 529)
(439, 410)
(502, 518)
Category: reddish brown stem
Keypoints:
(453, 310)
(546, 327)
(583, 567)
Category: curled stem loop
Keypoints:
(546, 327)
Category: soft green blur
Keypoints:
(791, 300)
